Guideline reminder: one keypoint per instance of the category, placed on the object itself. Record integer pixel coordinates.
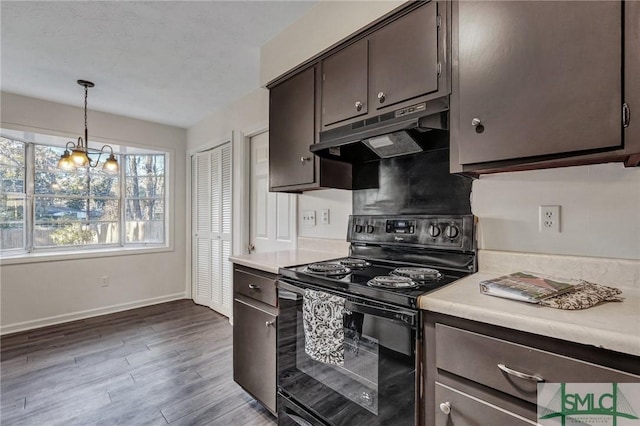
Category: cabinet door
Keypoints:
(456, 408)
(632, 71)
(292, 130)
(344, 84)
(537, 78)
(404, 58)
(254, 352)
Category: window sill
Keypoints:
(79, 255)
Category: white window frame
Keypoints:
(38, 254)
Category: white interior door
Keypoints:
(273, 214)
(211, 207)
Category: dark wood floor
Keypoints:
(163, 364)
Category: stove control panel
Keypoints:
(428, 231)
(399, 227)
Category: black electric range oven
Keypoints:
(349, 330)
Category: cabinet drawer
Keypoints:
(476, 357)
(255, 284)
(465, 410)
(254, 352)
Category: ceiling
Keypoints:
(170, 62)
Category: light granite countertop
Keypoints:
(612, 325)
(272, 261)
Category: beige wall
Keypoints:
(600, 211)
(36, 294)
(327, 23)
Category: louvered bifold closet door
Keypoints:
(212, 216)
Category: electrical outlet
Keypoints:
(549, 219)
(309, 217)
(325, 216)
(104, 281)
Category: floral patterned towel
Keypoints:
(322, 315)
(583, 296)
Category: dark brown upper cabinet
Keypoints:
(292, 129)
(538, 84)
(403, 61)
(632, 77)
(344, 84)
(399, 63)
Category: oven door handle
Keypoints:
(289, 291)
(402, 316)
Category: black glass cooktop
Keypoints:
(356, 282)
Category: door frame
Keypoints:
(228, 138)
(244, 185)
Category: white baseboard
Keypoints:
(59, 319)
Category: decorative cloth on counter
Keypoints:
(583, 296)
(322, 315)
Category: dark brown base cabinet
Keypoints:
(539, 84)
(254, 333)
(478, 375)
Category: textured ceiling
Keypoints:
(171, 62)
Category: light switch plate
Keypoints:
(309, 218)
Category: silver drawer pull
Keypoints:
(254, 287)
(269, 323)
(445, 407)
(532, 377)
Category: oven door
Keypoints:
(374, 380)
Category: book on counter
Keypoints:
(527, 286)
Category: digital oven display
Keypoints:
(401, 226)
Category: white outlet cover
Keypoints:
(325, 216)
(549, 219)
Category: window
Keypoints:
(43, 207)
(144, 198)
(80, 207)
(12, 195)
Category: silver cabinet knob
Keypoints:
(445, 407)
(381, 97)
(269, 323)
(254, 287)
(358, 106)
(303, 159)
(476, 122)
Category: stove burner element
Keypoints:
(418, 274)
(328, 269)
(354, 263)
(392, 282)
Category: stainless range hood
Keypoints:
(401, 132)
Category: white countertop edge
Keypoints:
(607, 339)
(273, 261)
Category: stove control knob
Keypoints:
(451, 231)
(358, 229)
(370, 229)
(434, 230)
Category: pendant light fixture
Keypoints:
(76, 154)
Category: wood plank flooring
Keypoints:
(163, 364)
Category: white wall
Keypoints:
(36, 294)
(600, 211)
(339, 203)
(327, 23)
